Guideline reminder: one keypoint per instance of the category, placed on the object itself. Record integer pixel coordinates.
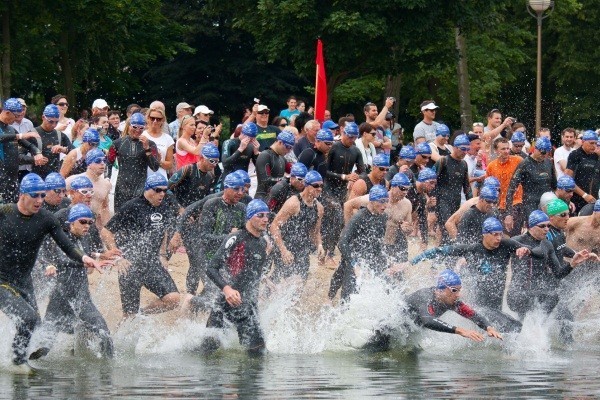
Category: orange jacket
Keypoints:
(504, 172)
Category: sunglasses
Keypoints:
(213, 161)
(404, 188)
(543, 152)
(37, 195)
(317, 185)
(425, 157)
(287, 146)
(137, 127)
(263, 113)
(328, 143)
(262, 215)
(155, 119)
(99, 161)
(283, 125)
(51, 121)
(493, 202)
(543, 226)
(568, 191)
(563, 214)
(454, 289)
(59, 191)
(63, 104)
(518, 145)
(299, 179)
(372, 133)
(160, 190)
(384, 169)
(465, 149)
(85, 221)
(86, 192)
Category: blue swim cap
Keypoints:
(491, 225)
(137, 119)
(233, 181)
(597, 206)
(565, 182)
(489, 193)
(543, 144)
(298, 170)
(250, 129)
(351, 129)
(325, 135)
(478, 173)
(537, 217)
(589, 135)
(448, 278)
(154, 180)
(95, 156)
(423, 148)
(209, 150)
(492, 181)
(312, 177)
(442, 130)
(400, 179)
(243, 174)
(427, 174)
(91, 135)
(518, 137)
(51, 111)
(330, 125)
(256, 206)
(81, 182)
(13, 105)
(378, 192)
(287, 138)
(407, 153)
(381, 160)
(79, 211)
(32, 183)
(462, 141)
(54, 180)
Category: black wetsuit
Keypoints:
(133, 167)
(315, 160)
(443, 152)
(20, 239)
(10, 159)
(425, 309)
(139, 229)
(278, 195)
(586, 172)
(296, 235)
(64, 203)
(536, 178)
(270, 168)
(469, 227)
(190, 184)
(49, 140)
(301, 145)
(240, 262)
(237, 160)
(361, 243)
(452, 179)
(216, 221)
(71, 302)
(394, 169)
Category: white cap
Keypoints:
(263, 107)
(203, 110)
(182, 106)
(429, 106)
(99, 103)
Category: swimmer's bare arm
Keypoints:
(359, 188)
(290, 208)
(452, 223)
(354, 204)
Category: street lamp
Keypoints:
(539, 9)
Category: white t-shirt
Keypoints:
(423, 130)
(162, 143)
(562, 153)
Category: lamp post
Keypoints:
(539, 9)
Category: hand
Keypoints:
(589, 198)
(175, 242)
(389, 102)
(30, 135)
(207, 131)
(406, 227)
(244, 142)
(61, 126)
(404, 168)
(50, 271)
(507, 121)
(232, 296)
(218, 129)
(493, 333)
(254, 109)
(57, 149)
(522, 252)
(431, 201)
(111, 254)
(422, 246)
(91, 263)
(145, 143)
(40, 159)
(287, 257)
(580, 257)
(122, 266)
(571, 207)
(353, 177)
(469, 334)
(509, 223)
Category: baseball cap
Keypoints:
(263, 107)
(329, 124)
(203, 110)
(99, 103)
(428, 105)
(182, 106)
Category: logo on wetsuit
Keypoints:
(485, 267)
(156, 219)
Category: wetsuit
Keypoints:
(425, 309)
(64, 203)
(71, 302)
(190, 184)
(296, 235)
(216, 221)
(469, 227)
(45, 143)
(270, 168)
(369, 183)
(394, 169)
(315, 160)
(139, 229)
(341, 160)
(536, 178)
(452, 179)
(278, 195)
(586, 173)
(20, 239)
(240, 262)
(10, 158)
(302, 144)
(443, 152)
(237, 160)
(361, 244)
(559, 242)
(133, 167)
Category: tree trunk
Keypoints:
(5, 74)
(464, 87)
(393, 83)
(67, 68)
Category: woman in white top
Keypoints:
(155, 119)
(364, 143)
(65, 125)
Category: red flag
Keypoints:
(320, 84)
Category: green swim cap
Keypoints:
(556, 206)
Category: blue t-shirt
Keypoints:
(287, 114)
